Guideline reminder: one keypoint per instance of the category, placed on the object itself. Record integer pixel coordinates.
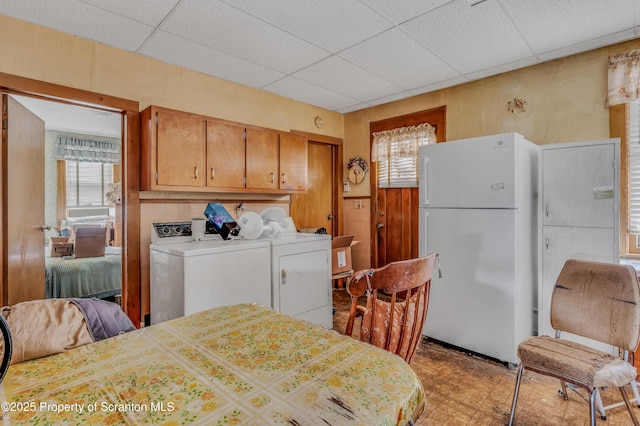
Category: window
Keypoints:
(634, 167)
(396, 154)
(87, 183)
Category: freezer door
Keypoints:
(476, 173)
(483, 302)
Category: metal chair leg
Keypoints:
(595, 394)
(515, 395)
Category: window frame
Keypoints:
(619, 128)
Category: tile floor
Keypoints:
(465, 389)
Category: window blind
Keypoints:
(395, 152)
(634, 167)
(87, 183)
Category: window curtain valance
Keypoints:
(90, 150)
(624, 78)
(401, 142)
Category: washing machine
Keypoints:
(188, 276)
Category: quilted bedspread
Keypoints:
(242, 364)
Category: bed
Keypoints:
(241, 364)
(98, 277)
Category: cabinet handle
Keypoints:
(271, 177)
(195, 172)
(284, 178)
(547, 243)
(546, 208)
(283, 276)
(212, 173)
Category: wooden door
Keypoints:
(225, 155)
(23, 215)
(181, 149)
(293, 162)
(315, 209)
(394, 221)
(262, 159)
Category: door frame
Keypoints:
(437, 117)
(337, 149)
(131, 294)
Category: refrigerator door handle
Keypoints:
(424, 196)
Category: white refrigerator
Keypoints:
(478, 210)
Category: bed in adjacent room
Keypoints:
(99, 277)
(242, 364)
(85, 277)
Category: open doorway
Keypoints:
(81, 186)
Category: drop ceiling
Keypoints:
(343, 55)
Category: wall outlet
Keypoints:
(346, 187)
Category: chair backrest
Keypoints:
(7, 347)
(397, 301)
(600, 301)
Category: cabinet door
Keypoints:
(293, 162)
(579, 185)
(560, 243)
(225, 155)
(180, 148)
(262, 159)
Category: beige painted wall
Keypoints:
(565, 102)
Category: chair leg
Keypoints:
(628, 404)
(603, 414)
(515, 395)
(595, 394)
(634, 388)
(563, 390)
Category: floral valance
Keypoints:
(82, 149)
(624, 78)
(401, 142)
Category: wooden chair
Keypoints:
(7, 346)
(397, 299)
(600, 301)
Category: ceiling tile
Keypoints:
(440, 85)
(551, 24)
(293, 88)
(150, 12)
(330, 24)
(341, 76)
(217, 25)
(178, 51)
(408, 10)
(398, 59)
(469, 38)
(82, 20)
(525, 62)
(589, 45)
(352, 108)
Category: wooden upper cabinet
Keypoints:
(293, 162)
(262, 159)
(189, 152)
(173, 149)
(225, 155)
(181, 148)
